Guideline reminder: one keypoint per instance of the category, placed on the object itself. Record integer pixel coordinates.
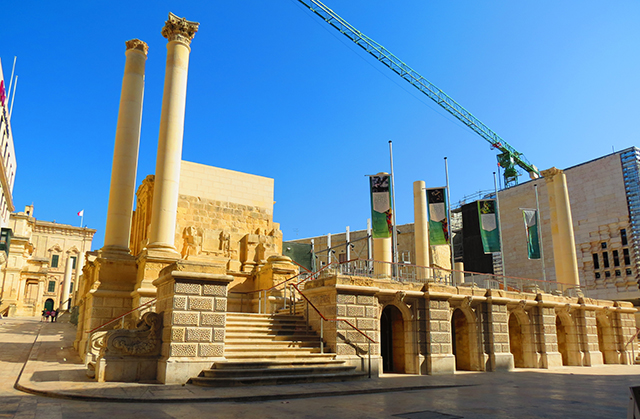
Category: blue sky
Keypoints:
(274, 91)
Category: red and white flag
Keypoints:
(81, 213)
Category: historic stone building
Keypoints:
(8, 163)
(43, 265)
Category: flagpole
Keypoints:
(544, 273)
(394, 235)
(495, 185)
(450, 230)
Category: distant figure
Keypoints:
(54, 315)
(47, 313)
(44, 318)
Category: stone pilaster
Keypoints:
(125, 154)
(589, 332)
(439, 357)
(179, 32)
(192, 298)
(545, 337)
(496, 333)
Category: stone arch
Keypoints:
(464, 339)
(521, 343)
(567, 339)
(607, 338)
(48, 304)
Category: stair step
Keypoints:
(274, 380)
(279, 357)
(281, 371)
(276, 364)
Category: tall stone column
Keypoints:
(382, 253)
(564, 245)
(179, 33)
(125, 154)
(66, 284)
(421, 225)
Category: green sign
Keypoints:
(438, 225)
(489, 228)
(533, 238)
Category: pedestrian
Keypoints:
(54, 317)
(43, 315)
(47, 313)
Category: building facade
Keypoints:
(43, 256)
(7, 155)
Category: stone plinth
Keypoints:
(437, 346)
(192, 298)
(496, 327)
(355, 303)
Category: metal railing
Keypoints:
(121, 318)
(407, 273)
(633, 344)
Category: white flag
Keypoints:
(81, 213)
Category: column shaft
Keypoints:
(179, 32)
(382, 253)
(125, 154)
(421, 223)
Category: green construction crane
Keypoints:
(508, 159)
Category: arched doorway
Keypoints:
(567, 340)
(607, 340)
(48, 305)
(460, 340)
(516, 341)
(392, 340)
(561, 333)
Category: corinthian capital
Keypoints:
(137, 44)
(179, 29)
(549, 174)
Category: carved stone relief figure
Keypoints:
(190, 242)
(225, 243)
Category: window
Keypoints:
(625, 254)
(52, 286)
(597, 275)
(616, 258)
(596, 263)
(623, 237)
(607, 274)
(71, 288)
(73, 262)
(617, 272)
(605, 259)
(628, 271)
(603, 245)
(342, 257)
(54, 261)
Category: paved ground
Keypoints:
(54, 371)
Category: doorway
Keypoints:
(48, 305)
(392, 340)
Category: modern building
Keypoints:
(43, 257)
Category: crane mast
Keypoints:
(509, 157)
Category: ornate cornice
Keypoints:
(179, 29)
(137, 44)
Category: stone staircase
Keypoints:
(262, 349)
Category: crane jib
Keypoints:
(509, 157)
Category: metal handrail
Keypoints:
(323, 318)
(633, 357)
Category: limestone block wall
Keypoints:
(496, 337)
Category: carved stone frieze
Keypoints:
(179, 29)
(144, 340)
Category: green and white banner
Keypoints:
(533, 237)
(381, 206)
(489, 228)
(438, 225)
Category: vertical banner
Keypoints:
(381, 208)
(489, 228)
(531, 227)
(437, 207)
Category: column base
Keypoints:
(500, 362)
(549, 360)
(439, 364)
(592, 358)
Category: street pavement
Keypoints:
(53, 384)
